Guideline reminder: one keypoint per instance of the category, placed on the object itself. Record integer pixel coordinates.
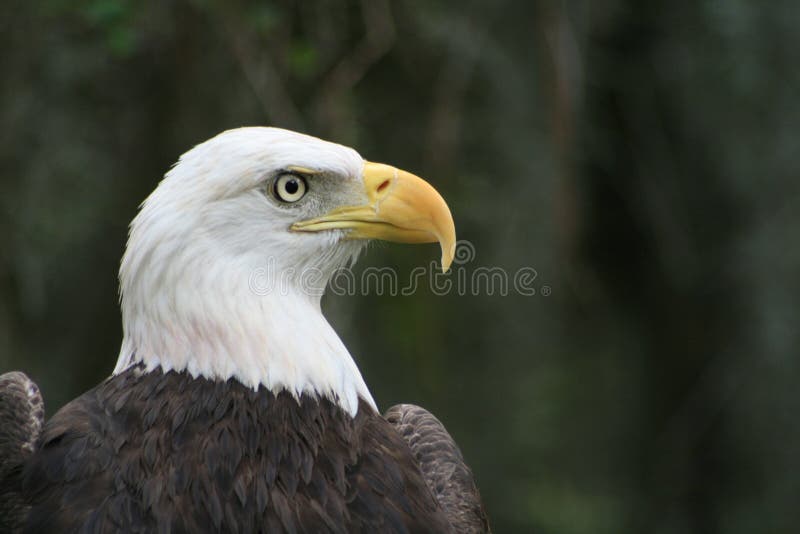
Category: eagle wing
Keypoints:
(442, 465)
(21, 420)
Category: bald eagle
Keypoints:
(234, 406)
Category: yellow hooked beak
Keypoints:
(402, 208)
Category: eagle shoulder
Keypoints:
(21, 420)
(446, 473)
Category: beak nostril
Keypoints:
(383, 185)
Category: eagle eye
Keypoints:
(290, 187)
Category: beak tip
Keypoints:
(447, 257)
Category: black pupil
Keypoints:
(292, 186)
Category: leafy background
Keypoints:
(641, 156)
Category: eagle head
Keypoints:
(228, 258)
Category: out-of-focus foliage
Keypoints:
(641, 156)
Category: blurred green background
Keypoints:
(642, 157)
